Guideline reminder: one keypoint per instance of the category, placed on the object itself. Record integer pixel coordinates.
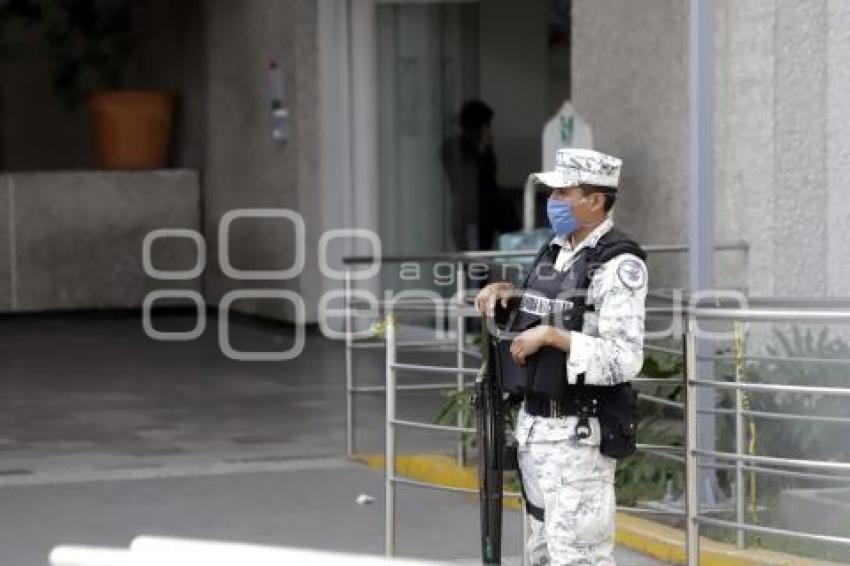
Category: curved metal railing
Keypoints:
(694, 456)
(697, 458)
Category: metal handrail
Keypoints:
(431, 426)
(406, 303)
(402, 345)
(778, 472)
(410, 387)
(662, 350)
(772, 530)
(435, 369)
(777, 416)
(441, 487)
(657, 381)
(776, 461)
(661, 401)
(493, 254)
(773, 387)
(754, 314)
(824, 315)
(783, 359)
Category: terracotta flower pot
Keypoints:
(131, 128)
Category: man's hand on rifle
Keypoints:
(501, 292)
(531, 340)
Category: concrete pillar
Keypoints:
(838, 147)
(782, 143)
(629, 80)
(245, 167)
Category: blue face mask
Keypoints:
(561, 217)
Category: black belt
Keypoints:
(549, 407)
(581, 400)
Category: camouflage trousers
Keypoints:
(574, 484)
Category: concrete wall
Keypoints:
(629, 81)
(786, 142)
(782, 139)
(245, 167)
(73, 240)
(838, 147)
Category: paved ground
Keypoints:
(105, 434)
(95, 386)
(304, 503)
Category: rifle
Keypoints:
(492, 411)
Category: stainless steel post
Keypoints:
(389, 480)
(740, 535)
(691, 480)
(701, 224)
(460, 322)
(349, 368)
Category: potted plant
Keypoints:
(90, 43)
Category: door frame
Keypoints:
(348, 115)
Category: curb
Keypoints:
(642, 535)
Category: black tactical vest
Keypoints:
(558, 299)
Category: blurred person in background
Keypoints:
(478, 208)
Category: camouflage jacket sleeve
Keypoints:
(609, 350)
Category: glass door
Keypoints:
(427, 66)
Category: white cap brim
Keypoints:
(555, 180)
(563, 179)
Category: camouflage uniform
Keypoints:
(567, 477)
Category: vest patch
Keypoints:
(632, 274)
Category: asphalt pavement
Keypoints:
(106, 435)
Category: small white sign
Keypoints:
(565, 129)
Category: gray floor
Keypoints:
(105, 434)
(78, 388)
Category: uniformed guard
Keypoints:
(575, 339)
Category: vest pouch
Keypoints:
(509, 376)
(547, 373)
(618, 420)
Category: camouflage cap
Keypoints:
(574, 167)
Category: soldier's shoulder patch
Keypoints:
(632, 273)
